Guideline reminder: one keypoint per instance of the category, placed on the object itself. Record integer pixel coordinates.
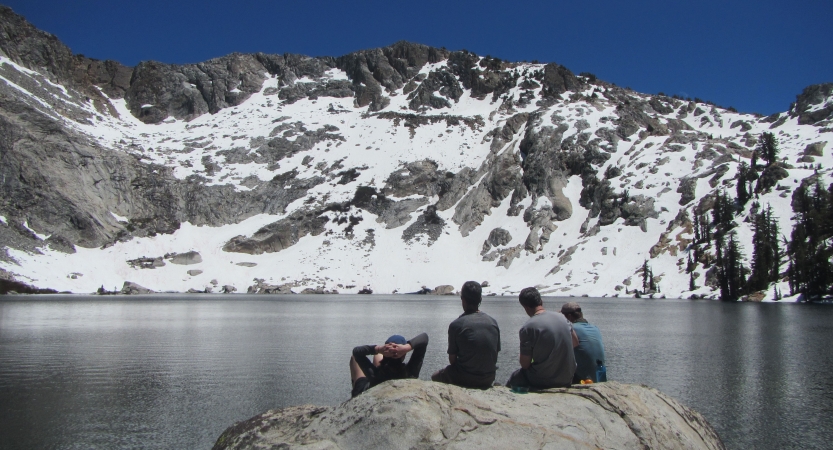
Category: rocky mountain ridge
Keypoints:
(340, 174)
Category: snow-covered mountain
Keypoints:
(389, 169)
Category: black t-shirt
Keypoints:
(475, 339)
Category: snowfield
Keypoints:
(578, 259)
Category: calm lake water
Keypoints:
(174, 372)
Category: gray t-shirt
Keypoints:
(547, 338)
(475, 339)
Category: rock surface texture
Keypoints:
(414, 414)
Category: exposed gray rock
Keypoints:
(261, 287)
(508, 255)
(770, 177)
(503, 175)
(376, 70)
(312, 91)
(131, 288)
(497, 237)
(194, 272)
(398, 213)
(146, 262)
(318, 290)
(429, 224)
(246, 264)
(444, 289)
(541, 226)
(60, 243)
(744, 125)
(279, 235)
(814, 104)
(228, 289)
(815, 149)
(444, 82)
(418, 177)
(687, 189)
(435, 415)
(184, 259)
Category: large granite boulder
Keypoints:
(410, 414)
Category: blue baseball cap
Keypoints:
(397, 339)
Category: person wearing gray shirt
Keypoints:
(473, 344)
(547, 340)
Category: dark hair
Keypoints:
(471, 294)
(530, 297)
(572, 310)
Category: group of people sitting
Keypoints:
(556, 350)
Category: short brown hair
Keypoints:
(572, 308)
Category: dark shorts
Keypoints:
(362, 384)
(451, 375)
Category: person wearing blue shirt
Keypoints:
(590, 352)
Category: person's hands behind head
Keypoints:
(398, 351)
(388, 350)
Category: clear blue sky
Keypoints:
(755, 55)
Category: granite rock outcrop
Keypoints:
(408, 414)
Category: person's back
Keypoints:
(547, 338)
(590, 351)
(473, 344)
(475, 339)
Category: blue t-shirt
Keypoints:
(590, 349)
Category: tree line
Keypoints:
(805, 256)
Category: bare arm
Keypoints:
(525, 360)
(377, 359)
(575, 338)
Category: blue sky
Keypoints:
(753, 55)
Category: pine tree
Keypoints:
(731, 271)
(722, 211)
(766, 253)
(690, 266)
(647, 278)
(742, 178)
(768, 147)
(810, 249)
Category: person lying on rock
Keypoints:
(547, 341)
(473, 344)
(590, 352)
(388, 361)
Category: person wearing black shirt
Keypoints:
(388, 361)
(473, 344)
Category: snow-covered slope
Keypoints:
(324, 190)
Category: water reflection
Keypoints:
(173, 373)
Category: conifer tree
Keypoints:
(810, 248)
(766, 254)
(768, 148)
(742, 178)
(731, 272)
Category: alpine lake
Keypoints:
(173, 371)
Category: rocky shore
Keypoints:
(415, 414)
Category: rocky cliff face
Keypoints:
(387, 168)
(410, 414)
